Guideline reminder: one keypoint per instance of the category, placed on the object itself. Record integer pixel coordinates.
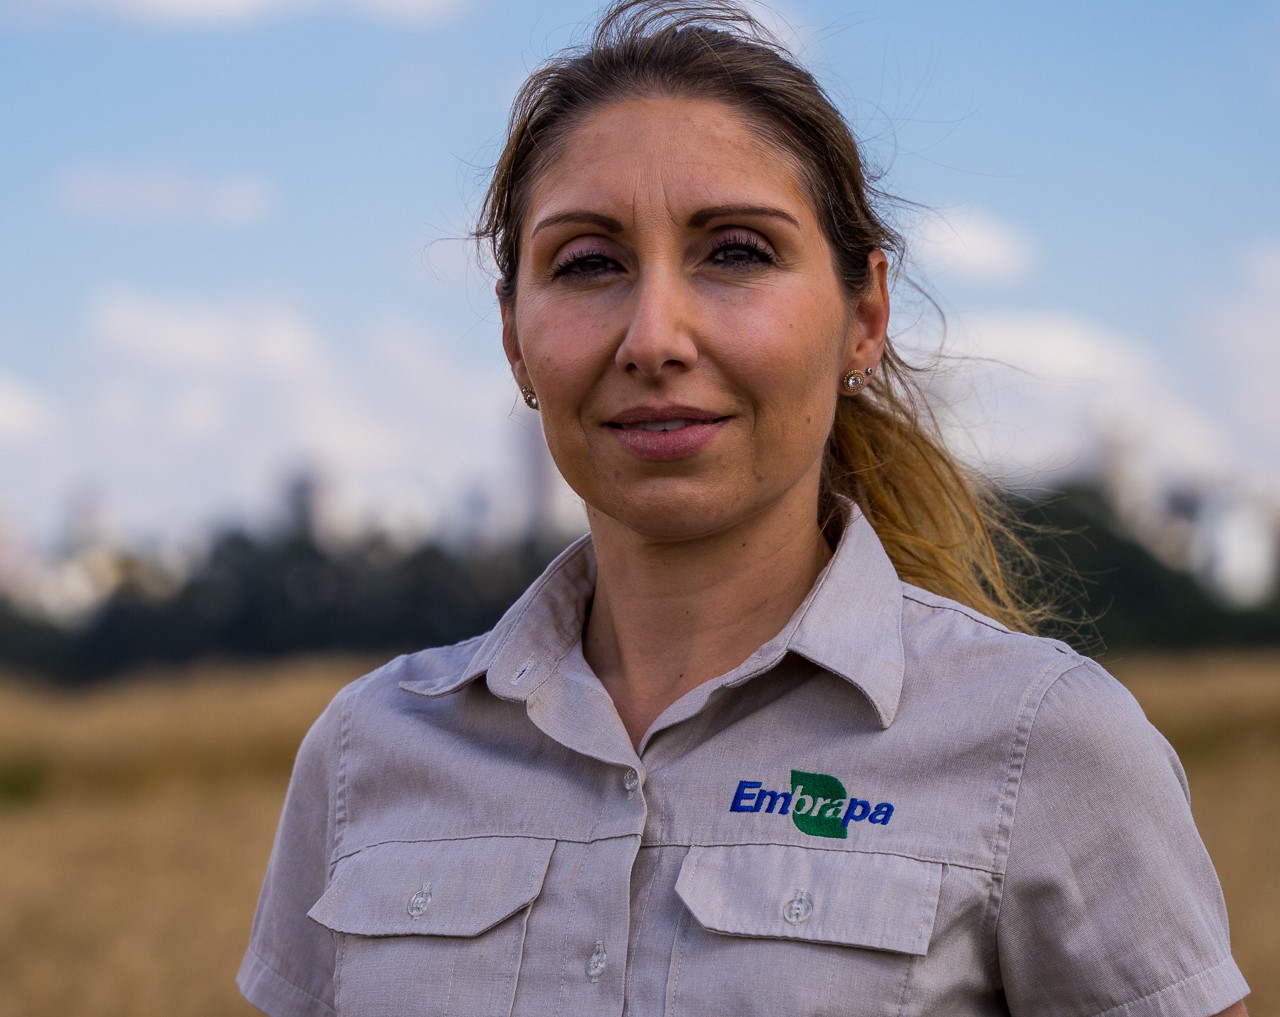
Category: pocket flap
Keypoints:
(877, 901)
(433, 888)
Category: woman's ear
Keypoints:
(510, 341)
(869, 316)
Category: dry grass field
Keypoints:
(135, 822)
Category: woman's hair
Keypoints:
(944, 528)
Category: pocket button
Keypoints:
(596, 962)
(798, 908)
(419, 901)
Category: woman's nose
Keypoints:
(659, 334)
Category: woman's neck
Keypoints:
(670, 615)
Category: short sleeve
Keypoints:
(288, 969)
(1110, 904)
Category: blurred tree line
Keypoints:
(275, 594)
(271, 595)
(1115, 596)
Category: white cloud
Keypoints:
(405, 10)
(195, 13)
(1235, 356)
(24, 414)
(1036, 394)
(972, 244)
(164, 195)
(177, 336)
(218, 367)
(200, 412)
(183, 412)
(184, 10)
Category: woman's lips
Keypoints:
(651, 435)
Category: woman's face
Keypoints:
(678, 313)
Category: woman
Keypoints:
(760, 745)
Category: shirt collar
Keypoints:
(850, 624)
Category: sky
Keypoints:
(233, 244)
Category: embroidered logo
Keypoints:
(817, 803)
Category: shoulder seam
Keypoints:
(933, 602)
(339, 807)
(960, 609)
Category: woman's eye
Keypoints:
(583, 265)
(741, 251)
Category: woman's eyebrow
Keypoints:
(606, 223)
(705, 215)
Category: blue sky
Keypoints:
(232, 242)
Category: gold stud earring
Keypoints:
(853, 381)
(530, 397)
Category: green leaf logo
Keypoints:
(817, 800)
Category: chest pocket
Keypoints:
(773, 929)
(431, 928)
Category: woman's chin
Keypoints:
(658, 516)
(684, 512)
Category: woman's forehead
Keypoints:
(680, 154)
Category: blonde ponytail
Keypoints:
(945, 528)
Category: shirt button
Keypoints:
(798, 908)
(419, 901)
(596, 962)
(630, 780)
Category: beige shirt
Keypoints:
(896, 806)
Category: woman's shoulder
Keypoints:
(936, 626)
(375, 698)
(956, 646)
(439, 666)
